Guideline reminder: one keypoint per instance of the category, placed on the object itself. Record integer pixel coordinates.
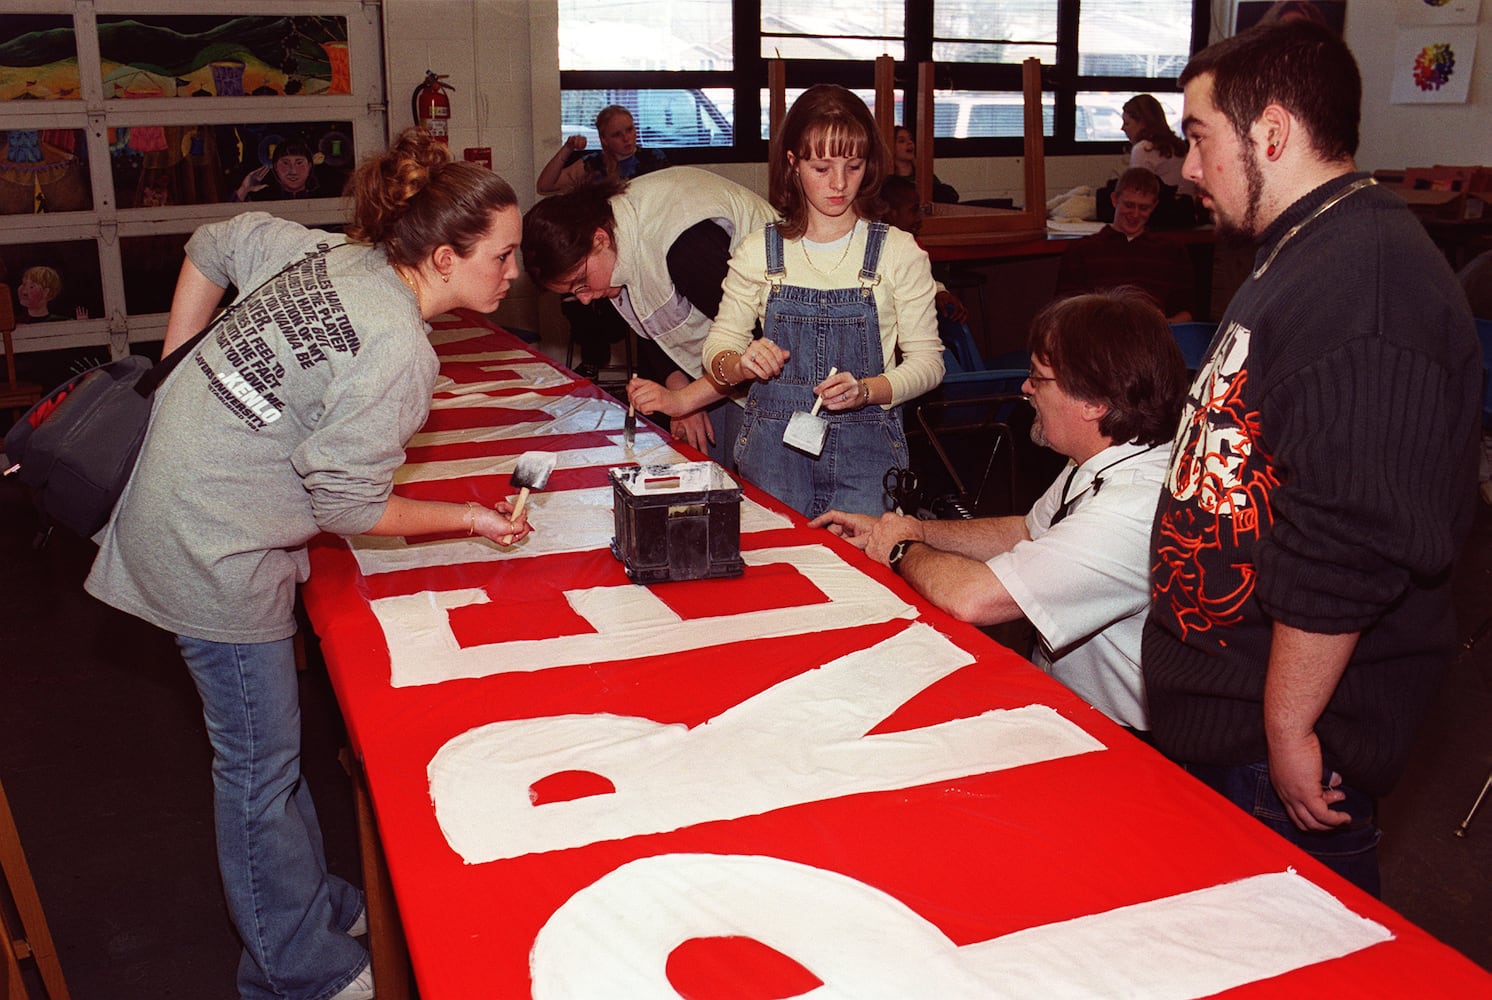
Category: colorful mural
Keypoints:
(53, 281)
(199, 56)
(39, 62)
(44, 170)
(156, 165)
(177, 56)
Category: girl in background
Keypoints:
(832, 290)
(904, 164)
(1153, 145)
(619, 155)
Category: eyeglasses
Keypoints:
(582, 282)
(1036, 379)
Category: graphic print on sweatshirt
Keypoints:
(303, 306)
(1217, 499)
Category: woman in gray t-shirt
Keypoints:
(289, 419)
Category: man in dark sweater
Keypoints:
(1323, 477)
(1126, 253)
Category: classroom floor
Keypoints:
(105, 761)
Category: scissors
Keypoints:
(902, 489)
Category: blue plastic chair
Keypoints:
(960, 353)
(965, 425)
(1193, 339)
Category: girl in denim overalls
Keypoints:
(831, 290)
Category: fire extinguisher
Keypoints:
(431, 107)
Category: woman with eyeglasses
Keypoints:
(657, 248)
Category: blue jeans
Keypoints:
(725, 419)
(289, 912)
(1351, 851)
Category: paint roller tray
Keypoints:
(676, 522)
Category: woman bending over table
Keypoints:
(288, 420)
(657, 247)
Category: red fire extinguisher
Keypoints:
(431, 106)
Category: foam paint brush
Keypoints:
(530, 473)
(807, 431)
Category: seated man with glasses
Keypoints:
(1107, 382)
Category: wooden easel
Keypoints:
(31, 938)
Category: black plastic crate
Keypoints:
(677, 522)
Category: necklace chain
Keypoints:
(410, 282)
(1347, 191)
(849, 238)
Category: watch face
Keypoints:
(893, 558)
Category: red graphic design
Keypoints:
(1218, 505)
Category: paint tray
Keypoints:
(676, 522)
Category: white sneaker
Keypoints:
(360, 988)
(360, 925)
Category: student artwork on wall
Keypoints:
(222, 56)
(159, 165)
(44, 170)
(1438, 11)
(53, 281)
(1433, 65)
(39, 59)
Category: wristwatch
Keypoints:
(894, 557)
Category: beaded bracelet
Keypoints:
(718, 368)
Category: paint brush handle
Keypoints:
(820, 401)
(518, 506)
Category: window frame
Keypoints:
(749, 77)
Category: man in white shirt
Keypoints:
(1107, 382)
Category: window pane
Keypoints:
(66, 279)
(1100, 115)
(793, 93)
(833, 29)
(155, 165)
(1008, 32)
(222, 56)
(1134, 37)
(39, 59)
(645, 35)
(665, 118)
(966, 114)
(44, 170)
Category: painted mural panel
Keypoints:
(156, 165)
(38, 58)
(44, 170)
(55, 281)
(222, 56)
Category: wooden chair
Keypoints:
(29, 939)
(15, 396)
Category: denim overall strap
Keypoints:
(776, 269)
(869, 275)
(820, 329)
